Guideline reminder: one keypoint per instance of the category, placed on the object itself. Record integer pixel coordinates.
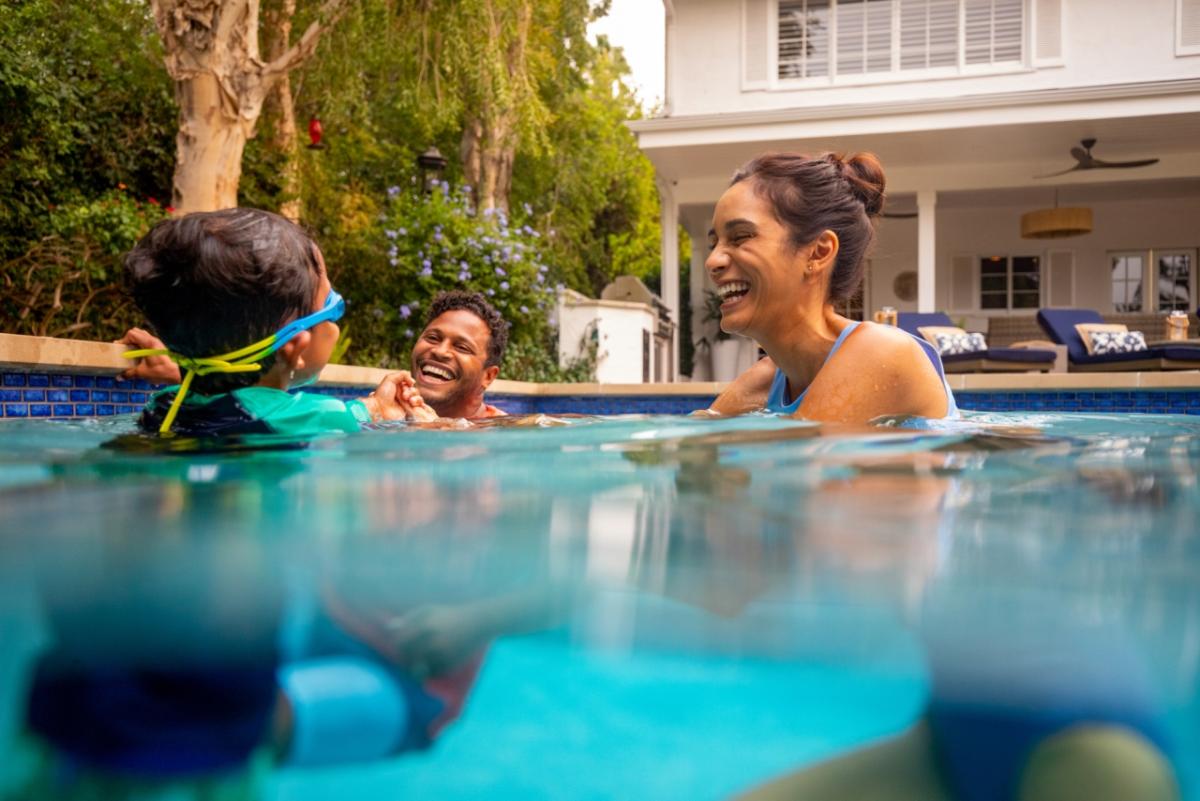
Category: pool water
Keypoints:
(701, 605)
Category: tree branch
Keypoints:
(303, 50)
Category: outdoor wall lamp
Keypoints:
(431, 163)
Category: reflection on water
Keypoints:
(641, 589)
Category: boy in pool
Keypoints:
(244, 306)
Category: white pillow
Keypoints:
(955, 344)
(1105, 343)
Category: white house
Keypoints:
(966, 102)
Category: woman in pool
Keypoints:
(788, 242)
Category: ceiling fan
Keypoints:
(1086, 161)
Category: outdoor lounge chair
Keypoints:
(992, 360)
(1059, 325)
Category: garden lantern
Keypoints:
(314, 133)
(431, 163)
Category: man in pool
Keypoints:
(456, 358)
(458, 355)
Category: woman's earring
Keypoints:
(291, 376)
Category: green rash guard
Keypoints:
(255, 410)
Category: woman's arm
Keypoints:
(748, 392)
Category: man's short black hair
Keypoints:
(213, 282)
(477, 304)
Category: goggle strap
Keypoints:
(165, 428)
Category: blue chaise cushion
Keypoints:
(1059, 325)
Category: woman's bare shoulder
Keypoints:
(882, 371)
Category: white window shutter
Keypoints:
(962, 283)
(756, 44)
(1187, 27)
(1047, 33)
(1060, 275)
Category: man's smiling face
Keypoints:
(449, 363)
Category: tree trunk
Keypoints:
(491, 134)
(211, 51)
(284, 134)
(208, 149)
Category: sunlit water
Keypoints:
(715, 602)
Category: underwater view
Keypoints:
(632, 607)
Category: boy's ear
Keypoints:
(292, 354)
(489, 375)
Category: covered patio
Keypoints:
(961, 173)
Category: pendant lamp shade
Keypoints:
(1056, 223)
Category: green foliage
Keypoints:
(87, 105)
(538, 362)
(69, 281)
(591, 188)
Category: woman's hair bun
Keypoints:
(864, 173)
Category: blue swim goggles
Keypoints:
(244, 360)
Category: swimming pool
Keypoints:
(728, 599)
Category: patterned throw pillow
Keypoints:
(1105, 343)
(955, 344)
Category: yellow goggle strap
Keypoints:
(243, 360)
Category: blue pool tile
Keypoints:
(16, 410)
(10, 395)
(143, 385)
(119, 397)
(106, 381)
(35, 395)
(58, 396)
(60, 380)
(85, 409)
(39, 410)
(123, 385)
(64, 410)
(100, 395)
(14, 379)
(85, 381)
(80, 395)
(39, 380)
(138, 397)
(105, 410)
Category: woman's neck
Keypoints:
(800, 349)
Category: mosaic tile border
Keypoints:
(65, 396)
(60, 395)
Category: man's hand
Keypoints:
(157, 369)
(396, 398)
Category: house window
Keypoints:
(1128, 270)
(1171, 273)
(832, 38)
(804, 38)
(1174, 270)
(1010, 282)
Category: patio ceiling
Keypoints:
(967, 158)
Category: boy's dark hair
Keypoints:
(213, 282)
(476, 304)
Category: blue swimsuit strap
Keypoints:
(837, 343)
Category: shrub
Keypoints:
(68, 283)
(431, 242)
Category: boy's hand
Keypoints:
(396, 398)
(158, 369)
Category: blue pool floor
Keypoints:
(585, 725)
